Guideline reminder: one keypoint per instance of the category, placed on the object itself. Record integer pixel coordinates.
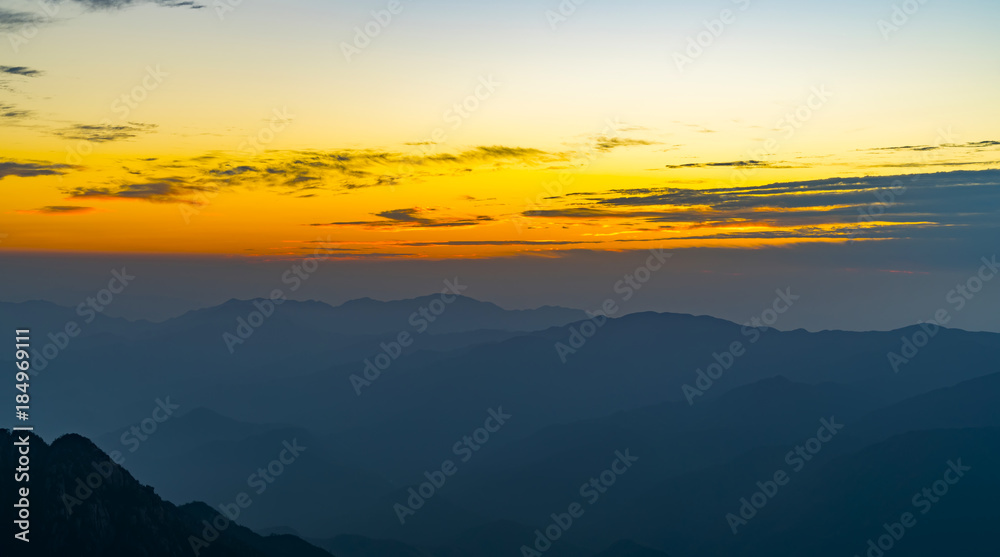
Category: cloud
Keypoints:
(30, 169)
(970, 145)
(20, 70)
(18, 21)
(591, 213)
(941, 205)
(503, 152)
(58, 210)
(413, 217)
(487, 153)
(493, 243)
(734, 164)
(351, 169)
(166, 190)
(235, 171)
(338, 254)
(103, 133)
(404, 215)
(14, 21)
(14, 113)
(608, 143)
(121, 4)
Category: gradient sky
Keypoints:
(247, 138)
(367, 155)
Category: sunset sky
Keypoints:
(466, 130)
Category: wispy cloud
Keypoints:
(351, 169)
(30, 169)
(14, 113)
(735, 164)
(20, 70)
(166, 190)
(492, 243)
(102, 133)
(950, 202)
(605, 144)
(413, 217)
(970, 145)
(120, 4)
(11, 20)
(58, 210)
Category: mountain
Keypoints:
(830, 507)
(43, 317)
(81, 504)
(573, 396)
(628, 548)
(359, 546)
(203, 455)
(365, 316)
(462, 314)
(233, 343)
(969, 404)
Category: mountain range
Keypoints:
(561, 420)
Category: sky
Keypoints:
(441, 131)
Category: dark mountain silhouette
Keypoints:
(316, 485)
(628, 548)
(83, 505)
(359, 546)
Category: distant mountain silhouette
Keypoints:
(622, 387)
(366, 316)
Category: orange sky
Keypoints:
(235, 141)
